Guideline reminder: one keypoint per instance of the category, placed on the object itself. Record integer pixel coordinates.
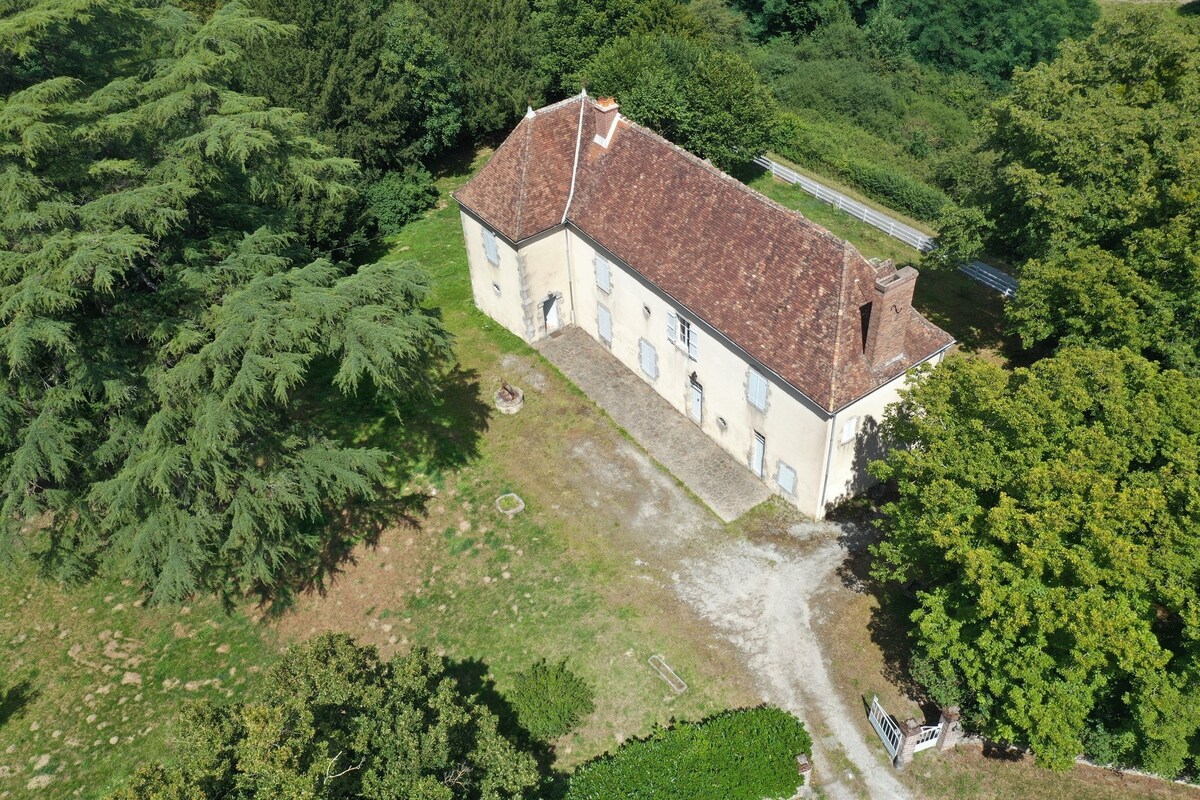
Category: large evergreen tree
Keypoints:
(1049, 519)
(160, 319)
(336, 722)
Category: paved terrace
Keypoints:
(724, 484)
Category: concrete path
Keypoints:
(765, 597)
(725, 485)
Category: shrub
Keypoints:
(399, 197)
(749, 754)
(550, 700)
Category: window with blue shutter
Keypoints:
(648, 358)
(756, 391)
(604, 323)
(489, 247)
(603, 274)
(787, 479)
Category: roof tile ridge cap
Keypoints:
(575, 98)
(753, 193)
(839, 323)
(528, 123)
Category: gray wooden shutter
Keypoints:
(671, 327)
(604, 323)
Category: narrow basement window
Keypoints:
(496, 289)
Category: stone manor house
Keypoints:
(778, 339)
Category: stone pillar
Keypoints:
(804, 766)
(951, 732)
(910, 731)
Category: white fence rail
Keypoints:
(989, 276)
(892, 227)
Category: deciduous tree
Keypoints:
(336, 722)
(1049, 519)
(709, 101)
(160, 319)
(1098, 182)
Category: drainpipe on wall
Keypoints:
(828, 462)
(570, 197)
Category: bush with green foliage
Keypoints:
(334, 721)
(550, 700)
(400, 197)
(1049, 518)
(811, 146)
(749, 754)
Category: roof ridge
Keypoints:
(524, 172)
(560, 104)
(839, 324)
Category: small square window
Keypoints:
(849, 430)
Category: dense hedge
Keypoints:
(816, 148)
(748, 754)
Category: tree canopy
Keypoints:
(373, 74)
(334, 721)
(492, 45)
(994, 38)
(709, 101)
(161, 320)
(1099, 175)
(1049, 519)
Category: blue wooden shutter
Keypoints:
(604, 323)
(649, 358)
(691, 343)
(787, 478)
(756, 391)
(489, 247)
(603, 279)
(671, 327)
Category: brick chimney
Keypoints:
(887, 324)
(605, 115)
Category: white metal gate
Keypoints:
(893, 738)
(886, 727)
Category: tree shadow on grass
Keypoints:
(425, 435)
(15, 699)
(1191, 9)
(890, 624)
(473, 677)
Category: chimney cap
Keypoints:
(606, 103)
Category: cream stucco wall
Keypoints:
(797, 431)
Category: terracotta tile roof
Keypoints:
(779, 286)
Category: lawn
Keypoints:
(93, 680)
